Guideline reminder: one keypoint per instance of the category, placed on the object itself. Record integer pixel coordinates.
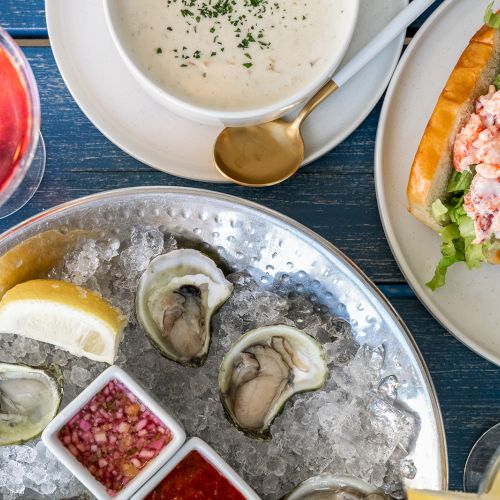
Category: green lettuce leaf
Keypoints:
(491, 18)
(456, 209)
(440, 212)
(449, 233)
(460, 181)
(457, 236)
(466, 227)
(474, 255)
(439, 278)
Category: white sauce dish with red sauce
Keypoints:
(114, 436)
(216, 479)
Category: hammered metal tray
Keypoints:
(248, 237)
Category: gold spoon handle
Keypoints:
(328, 88)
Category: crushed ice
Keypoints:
(354, 425)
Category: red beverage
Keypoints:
(22, 151)
(15, 118)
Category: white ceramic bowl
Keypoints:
(49, 435)
(209, 454)
(209, 116)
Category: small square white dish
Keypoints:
(51, 440)
(211, 456)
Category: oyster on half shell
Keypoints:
(176, 297)
(263, 369)
(335, 487)
(29, 400)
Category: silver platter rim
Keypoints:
(285, 221)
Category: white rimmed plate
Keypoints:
(467, 305)
(116, 104)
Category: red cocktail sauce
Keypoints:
(114, 436)
(15, 121)
(195, 479)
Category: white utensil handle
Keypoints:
(387, 35)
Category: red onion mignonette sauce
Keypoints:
(114, 436)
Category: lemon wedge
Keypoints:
(63, 314)
(439, 495)
(34, 257)
(491, 493)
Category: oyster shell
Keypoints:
(334, 487)
(176, 297)
(263, 369)
(29, 400)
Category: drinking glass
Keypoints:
(22, 150)
(483, 461)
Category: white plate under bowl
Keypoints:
(117, 105)
(467, 304)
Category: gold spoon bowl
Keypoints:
(269, 153)
(265, 154)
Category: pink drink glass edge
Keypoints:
(28, 79)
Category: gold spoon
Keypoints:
(269, 153)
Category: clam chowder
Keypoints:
(232, 54)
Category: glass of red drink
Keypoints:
(22, 152)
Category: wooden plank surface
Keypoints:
(23, 17)
(26, 18)
(334, 197)
(467, 386)
(81, 161)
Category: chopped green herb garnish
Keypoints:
(240, 14)
(247, 65)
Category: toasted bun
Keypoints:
(493, 256)
(433, 163)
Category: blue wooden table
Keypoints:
(335, 196)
